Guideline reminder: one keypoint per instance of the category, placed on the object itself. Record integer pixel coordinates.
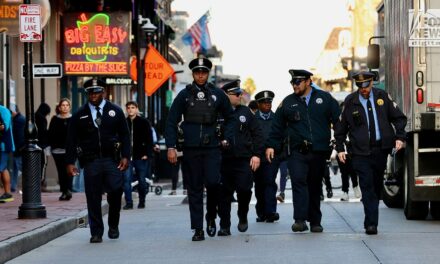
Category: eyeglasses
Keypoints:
(362, 85)
(297, 81)
(236, 94)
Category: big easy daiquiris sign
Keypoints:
(96, 43)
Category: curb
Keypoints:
(20, 244)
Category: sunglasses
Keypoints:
(363, 84)
(297, 81)
(236, 94)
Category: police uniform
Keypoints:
(307, 120)
(370, 145)
(236, 172)
(265, 176)
(200, 107)
(99, 138)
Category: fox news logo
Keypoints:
(424, 28)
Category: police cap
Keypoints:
(201, 64)
(232, 87)
(94, 86)
(363, 76)
(300, 74)
(264, 96)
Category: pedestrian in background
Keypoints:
(200, 103)
(141, 142)
(98, 136)
(57, 141)
(307, 115)
(41, 115)
(265, 177)
(375, 125)
(18, 127)
(6, 148)
(239, 161)
(253, 105)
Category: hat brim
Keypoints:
(94, 89)
(201, 68)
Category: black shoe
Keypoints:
(128, 206)
(141, 205)
(316, 228)
(113, 233)
(199, 235)
(329, 193)
(272, 217)
(224, 232)
(261, 219)
(371, 230)
(211, 228)
(63, 197)
(242, 225)
(299, 226)
(95, 239)
(68, 195)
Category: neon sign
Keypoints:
(97, 43)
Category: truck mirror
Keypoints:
(373, 59)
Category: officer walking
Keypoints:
(307, 115)
(265, 176)
(368, 117)
(200, 103)
(239, 161)
(98, 136)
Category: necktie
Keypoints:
(371, 125)
(98, 116)
(304, 99)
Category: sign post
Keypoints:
(30, 31)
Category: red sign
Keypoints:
(157, 70)
(30, 23)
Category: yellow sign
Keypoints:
(157, 70)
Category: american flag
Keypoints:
(198, 35)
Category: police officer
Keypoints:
(239, 161)
(265, 176)
(98, 136)
(200, 103)
(368, 117)
(307, 115)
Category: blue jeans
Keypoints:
(16, 169)
(142, 168)
(78, 182)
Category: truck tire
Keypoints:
(414, 210)
(435, 210)
(392, 195)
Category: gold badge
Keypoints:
(379, 102)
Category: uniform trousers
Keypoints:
(236, 176)
(266, 187)
(370, 170)
(306, 173)
(202, 169)
(102, 175)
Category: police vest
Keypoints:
(200, 108)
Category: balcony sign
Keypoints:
(97, 43)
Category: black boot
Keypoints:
(199, 235)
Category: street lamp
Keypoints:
(149, 29)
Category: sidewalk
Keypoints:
(18, 236)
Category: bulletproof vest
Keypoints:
(200, 108)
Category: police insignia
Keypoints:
(200, 95)
(242, 119)
(111, 113)
(319, 101)
(379, 102)
(214, 97)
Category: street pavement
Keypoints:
(161, 233)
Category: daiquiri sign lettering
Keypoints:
(97, 43)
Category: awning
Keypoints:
(174, 55)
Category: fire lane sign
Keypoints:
(30, 23)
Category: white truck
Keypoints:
(408, 61)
